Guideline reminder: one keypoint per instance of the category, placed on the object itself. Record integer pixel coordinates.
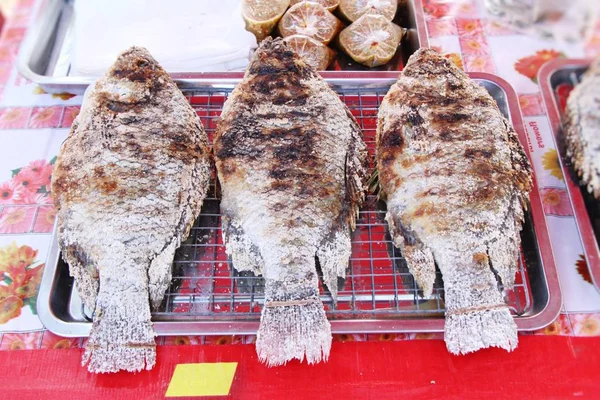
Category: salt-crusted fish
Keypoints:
(291, 164)
(582, 128)
(128, 184)
(457, 182)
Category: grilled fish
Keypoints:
(291, 164)
(457, 182)
(129, 182)
(582, 128)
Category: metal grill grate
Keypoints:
(378, 283)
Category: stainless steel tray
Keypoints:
(44, 57)
(557, 78)
(379, 295)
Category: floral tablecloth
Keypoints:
(33, 125)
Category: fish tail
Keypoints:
(476, 315)
(122, 337)
(296, 328)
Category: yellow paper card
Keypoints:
(203, 379)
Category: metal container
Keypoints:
(45, 55)
(208, 297)
(557, 78)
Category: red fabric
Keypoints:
(543, 367)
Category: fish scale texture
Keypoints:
(128, 183)
(582, 130)
(291, 164)
(457, 182)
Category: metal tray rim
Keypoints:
(582, 218)
(183, 79)
(545, 316)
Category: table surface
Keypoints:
(33, 125)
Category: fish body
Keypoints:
(128, 183)
(291, 165)
(457, 181)
(582, 128)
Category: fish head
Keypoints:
(428, 63)
(132, 78)
(273, 56)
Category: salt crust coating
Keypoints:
(291, 164)
(457, 182)
(128, 183)
(582, 128)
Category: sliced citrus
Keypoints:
(310, 19)
(354, 9)
(372, 40)
(314, 53)
(261, 16)
(330, 5)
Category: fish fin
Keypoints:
(245, 256)
(85, 273)
(290, 332)
(334, 254)
(522, 171)
(355, 172)
(122, 337)
(293, 324)
(476, 315)
(159, 273)
(421, 265)
(419, 258)
(335, 250)
(504, 256)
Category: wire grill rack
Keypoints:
(205, 286)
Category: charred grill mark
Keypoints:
(279, 75)
(393, 139)
(456, 134)
(452, 117)
(279, 61)
(140, 71)
(237, 140)
(303, 114)
(391, 144)
(414, 118)
(294, 160)
(281, 185)
(266, 69)
(135, 147)
(479, 153)
(99, 171)
(278, 174)
(298, 145)
(447, 101)
(454, 85)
